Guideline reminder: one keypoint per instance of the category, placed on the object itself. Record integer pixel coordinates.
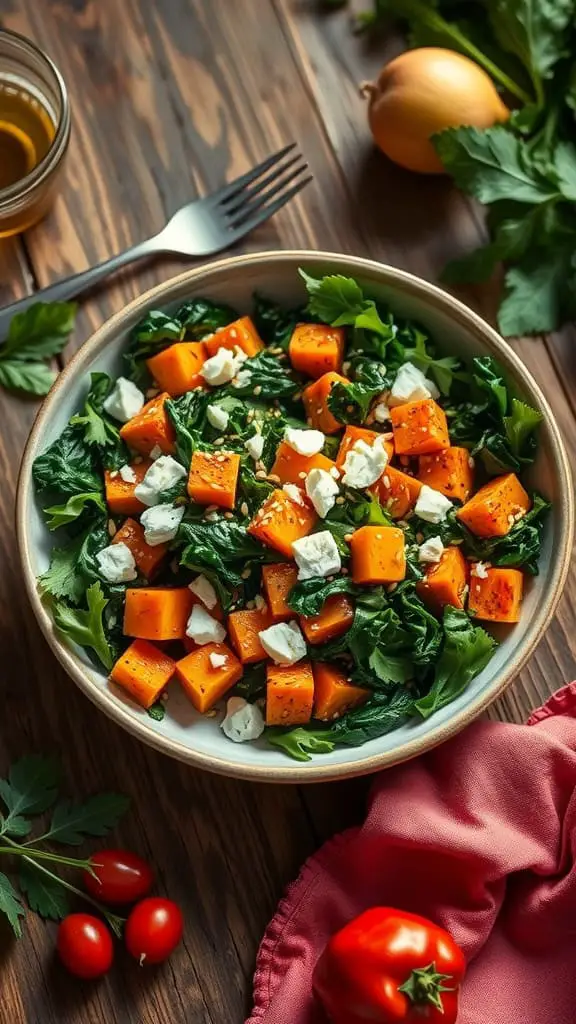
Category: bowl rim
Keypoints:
(314, 770)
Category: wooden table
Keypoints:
(170, 98)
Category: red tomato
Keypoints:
(153, 930)
(121, 877)
(85, 946)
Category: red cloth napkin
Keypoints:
(478, 835)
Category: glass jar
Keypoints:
(35, 126)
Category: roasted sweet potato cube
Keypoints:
(445, 581)
(280, 521)
(315, 399)
(497, 597)
(143, 671)
(279, 579)
(243, 628)
(334, 696)
(451, 472)
(120, 496)
(378, 554)
(151, 428)
(315, 349)
(147, 558)
(213, 478)
(289, 694)
(397, 491)
(204, 684)
(496, 507)
(157, 613)
(292, 468)
(336, 617)
(419, 428)
(353, 434)
(240, 334)
(177, 368)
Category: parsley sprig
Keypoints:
(32, 789)
(34, 338)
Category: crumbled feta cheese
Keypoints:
(202, 628)
(381, 412)
(480, 569)
(243, 721)
(305, 442)
(124, 401)
(411, 385)
(255, 446)
(162, 474)
(217, 660)
(431, 550)
(156, 453)
(283, 642)
(242, 379)
(432, 505)
(364, 463)
(128, 475)
(204, 591)
(161, 523)
(221, 368)
(335, 472)
(217, 417)
(116, 563)
(316, 555)
(322, 490)
(294, 493)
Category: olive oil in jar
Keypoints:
(26, 131)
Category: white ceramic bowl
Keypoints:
(198, 741)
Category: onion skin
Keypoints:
(422, 92)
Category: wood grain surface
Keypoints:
(170, 98)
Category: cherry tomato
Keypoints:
(85, 946)
(153, 930)
(121, 877)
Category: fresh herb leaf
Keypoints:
(97, 816)
(300, 743)
(85, 626)
(98, 428)
(10, 904)
(520, 425)
(340, 301)
(467, 650)
(37, 334)
(157, 712)
(535, 32)
(492, 164)
(61, 515)
(62, 578)
(441, 369)
(31, 787)
(44, 895)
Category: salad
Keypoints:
(301, 516)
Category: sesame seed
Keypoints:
(319, 410)
(260, 474)
(348, 537)
(344, 571)
(244, 509)
(111, 527)
(219, 440)
(273, 478)
(257, 390)
(340, 500)
(228, 515)
(246, 574)
(138, 460)
(391, 588)
(302, 475)
(233, 332)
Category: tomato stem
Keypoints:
(425, 985)
(15, 850)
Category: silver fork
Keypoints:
(200, 228)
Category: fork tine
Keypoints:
(268, 211)
(229, 190)
(242, 198)
(244, 212)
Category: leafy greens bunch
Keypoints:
(30, 790)
(524, 170)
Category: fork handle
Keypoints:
(79, 283)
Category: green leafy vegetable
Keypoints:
(275, 324)
(442, 369)
(520, 547)
(30, 789)
(467, 650)
(71, 823)
(35, 335)
(308, 596)
(68, 466)
(98, 428)
(201, 317)
(44, 895)
(340, 301)
(157, 712)
(61, 515)
(350, 403)
(267, 373)
(85, 626)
